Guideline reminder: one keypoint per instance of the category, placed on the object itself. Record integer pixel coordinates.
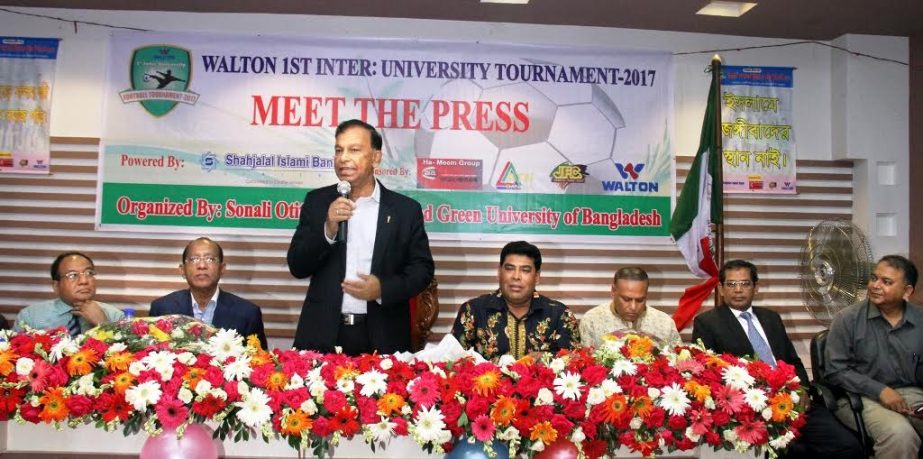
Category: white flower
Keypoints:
(309, 407)
(510, 434)
(85, 385)
(136, 367)
(683, 355)
(653, 392)
(386, 364)
(373, 382)
(623, 367)
(766, 413)
(254, 408)
(238, 369)
(67, 346)
(544, 397)
(144, 394)
(177, 333)
(295, 382)
(317, 388)
(537, 446)
(595, 396)
(568, 385)
(783, 441)
(24, 366)
(346, 386)
(690, 434)
(224, 344)
(737, 377)
(161, 362)
(243, 388)
(381, 431)
(710, 403)
(506, 360)
(578, 436)
(116, 348)
(428, 424)
(202, 387)
(218, 393)
(730, 435)
(635, 423)
(557, 365)
(610, 387)
(186, 358)
(756, 398)
(4, 345)
(674, 400)
(185, 395)
(795, 397)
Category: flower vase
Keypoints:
(463, 449)
(196, 443)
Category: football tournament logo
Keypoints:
(160, 77)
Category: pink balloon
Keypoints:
(561, 449)
(196, 443)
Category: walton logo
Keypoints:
(509, 179)
(630, 174)
(160, 77)
(630, 170)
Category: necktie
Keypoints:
(756, 340)
(73, 326)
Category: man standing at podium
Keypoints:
(361, 281)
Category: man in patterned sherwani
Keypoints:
(515, 319)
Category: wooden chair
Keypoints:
(424, 309)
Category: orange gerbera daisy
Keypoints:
(639, 346)
(82, 362)
(122, 382)
(119, 361)
(296, 423)
(7, 362)
(276, 380)
(642, 406)
(701, 392)
(349, 371)
(193, 376)
(54, 407)
(391, 403)
(254, 342)
(486, 383)
(260, 358)
(544, 432)
(781, 405)
(615, 407)
(504, 411)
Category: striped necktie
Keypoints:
(756, 340)
(73, 326)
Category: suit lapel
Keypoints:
(186, 304)
(740, 340)
(387, 223)
(221, 316)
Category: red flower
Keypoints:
(677, 423)
(114, 407)
(171, 412)
(334, 400)
(477, 407)
(209, 406)
(79, 405)
(321, 427)
(594, 448)
(594, 374)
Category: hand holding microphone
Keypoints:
(340, 211)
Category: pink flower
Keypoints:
(171, 412)
(38, 377)
(334, 401)
(483, 428)
(139, 327)
(425, 390)
(728, 399)
(752, 431)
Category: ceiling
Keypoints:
(793, 19)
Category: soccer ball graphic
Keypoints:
(578, 124)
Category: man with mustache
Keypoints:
(515, 319)
(73, 278)
(873, 349)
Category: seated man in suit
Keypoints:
(515, 319)
(202, 267)
(73, 278)
(739, 328)
(874, 349)
(627, 311)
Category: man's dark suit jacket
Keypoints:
(721, 332)
(401, 260)
(232, 312)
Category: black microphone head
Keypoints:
(343, 188)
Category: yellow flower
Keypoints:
(543, 432)
(486, 383)
(254, 342)
(157, 333)
(102, 335)
(701, 392)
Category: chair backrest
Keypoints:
(425, 311)
(818, 359)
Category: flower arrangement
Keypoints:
(628, 392)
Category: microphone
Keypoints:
(343, 188)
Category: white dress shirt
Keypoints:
(206, 314)
(360, 243)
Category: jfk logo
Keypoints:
(629, 170)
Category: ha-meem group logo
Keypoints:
(160, 76)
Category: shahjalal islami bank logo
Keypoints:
(160, 77)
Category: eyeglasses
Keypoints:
(210, 260)
(73, 275)
(743, 284)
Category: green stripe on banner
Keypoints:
(448, 212)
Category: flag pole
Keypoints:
(719, 170)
